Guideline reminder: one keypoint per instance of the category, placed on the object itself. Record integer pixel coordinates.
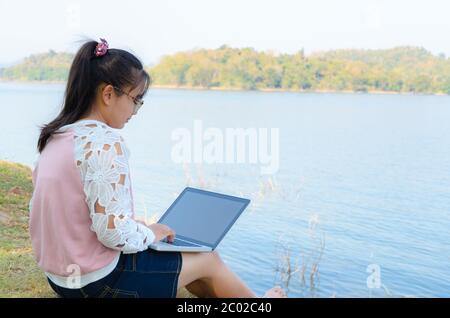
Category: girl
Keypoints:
(82, 225)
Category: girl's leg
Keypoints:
(205, 274)
(199, 289)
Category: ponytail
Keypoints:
(88, 70)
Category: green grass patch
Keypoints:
(19, 274)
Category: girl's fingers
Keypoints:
(171, 235)
(170, 232)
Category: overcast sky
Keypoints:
(154, 28)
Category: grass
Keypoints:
(305, 271)
(19, 274)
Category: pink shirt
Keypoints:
(67, 231)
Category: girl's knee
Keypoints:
(214, 258)
(203, 258)
(210, 260)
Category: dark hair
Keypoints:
(117, 67)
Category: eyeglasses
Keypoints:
(137, 101)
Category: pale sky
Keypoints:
(154, 28)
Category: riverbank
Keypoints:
(280, 90)
(19, 274)
(235, 89)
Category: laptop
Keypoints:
(200, 220)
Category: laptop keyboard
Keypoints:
(180, 243)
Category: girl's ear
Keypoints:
(107, 92)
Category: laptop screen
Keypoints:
(203, 216)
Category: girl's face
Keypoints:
(118, 108)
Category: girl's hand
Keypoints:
(162, 231)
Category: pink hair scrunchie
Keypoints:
(101, 48)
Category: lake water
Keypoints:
(360, 202)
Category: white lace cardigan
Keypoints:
(102, 158)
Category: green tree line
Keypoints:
(401, 69)
(50, 66)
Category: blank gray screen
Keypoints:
(202, 217)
